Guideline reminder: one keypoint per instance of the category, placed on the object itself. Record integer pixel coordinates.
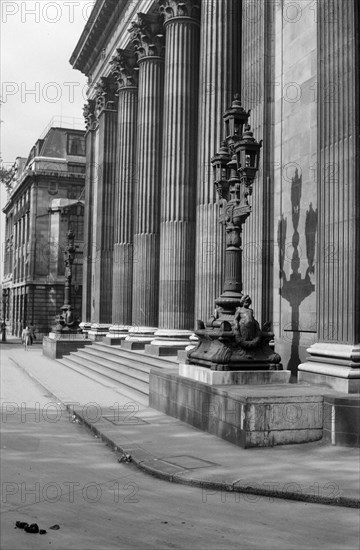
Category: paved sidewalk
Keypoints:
(170, 449)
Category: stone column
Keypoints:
(220, 72)
(123, 70)
(335, 358)
(90, 141)
(177, 241)
(147, 36)
(103, 211)
(258, 85)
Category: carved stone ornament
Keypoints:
(179, 8)
(105, 91)
(89, 114)
(147, 36)
(124, 69)
(234, 341)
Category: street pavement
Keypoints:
(173, 450)
(55, 471)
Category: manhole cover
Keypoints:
(126, 419)
(189, 462)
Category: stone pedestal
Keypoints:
(334, 365)
(57, 345)
(240, 378)
(248, 416)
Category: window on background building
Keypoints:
(76, 145)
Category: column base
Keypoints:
(85, 327)
(98, 331)
(138, 337)
(168, 342)
(336, 366)
(116, 335)
(182, 354)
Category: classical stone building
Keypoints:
(161, 74)
(45, 200)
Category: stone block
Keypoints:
(248, 416)
(207, 376)
(342, 420)
(57, 348)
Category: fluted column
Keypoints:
(103, 213)
(147, 37)
(123, 70)
(90, 141)
(335, 358)
(177, 246)
(219, 80)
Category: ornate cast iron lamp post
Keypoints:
(232, 338)
(66, 321)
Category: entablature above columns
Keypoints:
(95, 50)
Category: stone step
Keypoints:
(129, 392)
(128, 370)
(138, 356)
(115, 363)
(90, 366)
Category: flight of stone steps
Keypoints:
(112, 366)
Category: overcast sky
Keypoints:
(37, 80)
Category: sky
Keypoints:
(37, 80)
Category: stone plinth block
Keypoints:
(342, 420)
(85, 327)
(219, 378)
(334, 365)
(98, 331)
(116, 334)
(248, 416)
(56, 346)
(169, 342)
(138, 337)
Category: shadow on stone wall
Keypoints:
(295, 289)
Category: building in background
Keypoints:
(157, 95)
(44, 201)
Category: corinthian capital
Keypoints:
(105, 91)
(123, 69)
(179, 8)
(147, 36)
(89, 114)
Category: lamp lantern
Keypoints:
(220, 163)
(248, 155)
(235, 119)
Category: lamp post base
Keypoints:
(234, 341)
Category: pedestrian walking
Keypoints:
(32, 334)
(25, 337)
(3, 331)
